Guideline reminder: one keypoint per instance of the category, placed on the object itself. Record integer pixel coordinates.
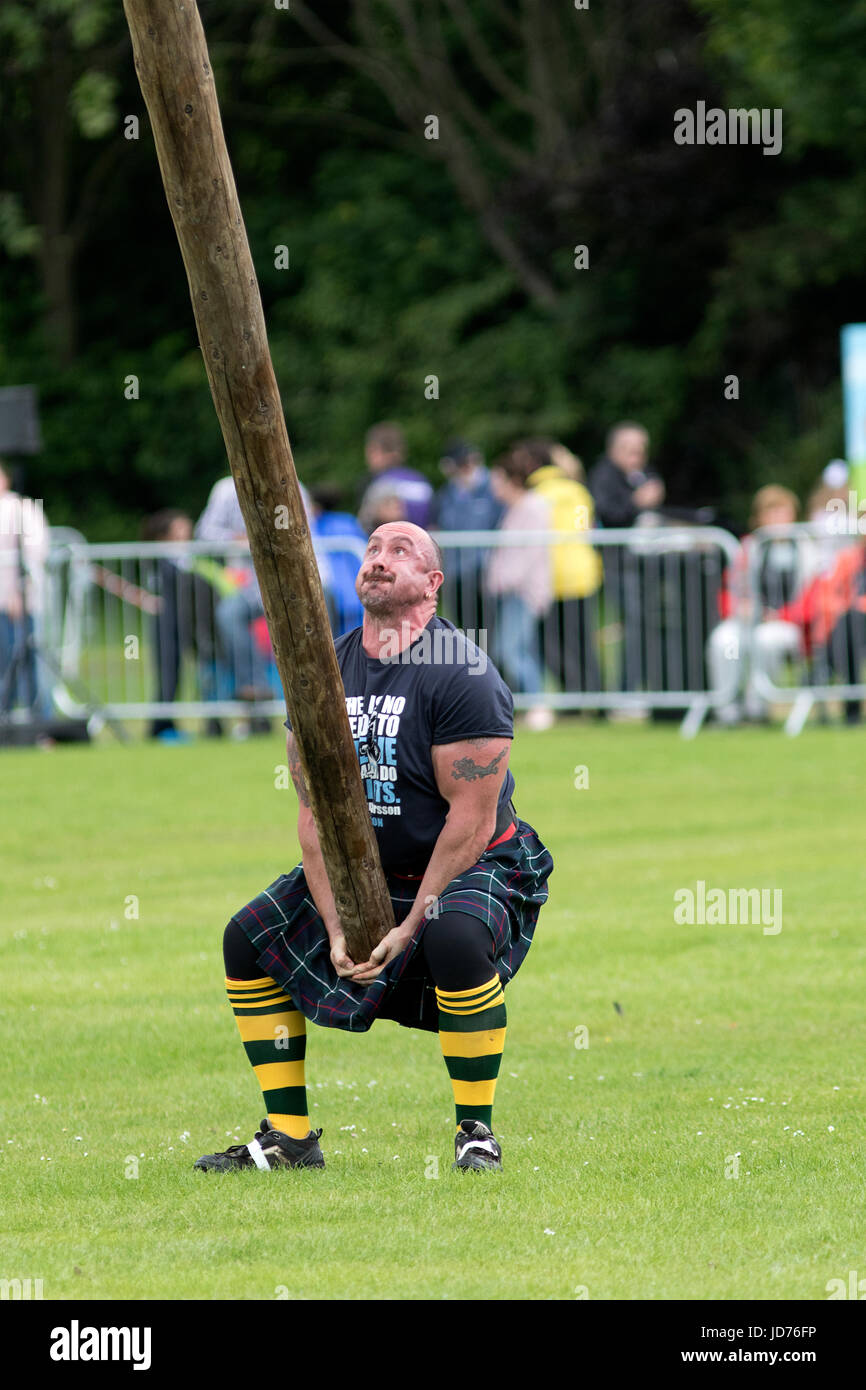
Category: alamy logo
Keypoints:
(850, 1288)
(16, 1289)
(714, 907)
(439, 646)
(76, 1343)
(846, 519)
(737, 126)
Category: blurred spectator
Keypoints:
(385, 452)
(621, 483)
(828, 507)
(465, 503)
(188, 590)
(831, 614)
(626, 491)
(739, 643)
(345, 609)
(23, 553)
(572, 627)
(221, 521)
(520, 577)
(567, 462)
(385, 505)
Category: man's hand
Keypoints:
(340, 959)
(388, 949)
(649, 494)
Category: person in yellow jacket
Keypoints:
(571, 647)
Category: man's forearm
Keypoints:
(318, 884)
(458, 847)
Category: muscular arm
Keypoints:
(469, 775)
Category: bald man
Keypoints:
(433, 723)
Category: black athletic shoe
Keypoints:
(475, 1146)
(270, 1149)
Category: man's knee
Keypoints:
(239, 954)
(458, 950)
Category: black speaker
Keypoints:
(19, 421)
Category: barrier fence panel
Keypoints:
(616, 620)
(807, 640)
(599, 620)
(173, 631)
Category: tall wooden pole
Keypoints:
(173, 67)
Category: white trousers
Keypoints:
(733, 645)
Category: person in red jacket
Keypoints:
(831, 613)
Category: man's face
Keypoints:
(628, 450)
(395, 573)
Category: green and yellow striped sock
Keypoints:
(472, 1035)
(274, 1035)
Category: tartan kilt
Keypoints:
(505, 889)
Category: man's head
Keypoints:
(627, 446)
(5, 477)
(384, 446)
(401, 570)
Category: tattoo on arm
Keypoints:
(298, 775)
(468, 770)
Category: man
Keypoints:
(624, 490)
(621, 484)
(23, 557)
(466, 503)
(385, 453)
(433, 724)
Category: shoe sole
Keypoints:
(200, 1167)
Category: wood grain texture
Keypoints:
(173, 67)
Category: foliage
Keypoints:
(411, 258)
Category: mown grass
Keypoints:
(712, 1050)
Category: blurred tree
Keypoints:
(57, 88)
(412, 257)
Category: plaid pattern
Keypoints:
(505, 889)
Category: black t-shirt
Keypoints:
(440, 689)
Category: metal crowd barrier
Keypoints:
(170, 632)
(633, 641)
(826, 642)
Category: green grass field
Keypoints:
(708, 1143)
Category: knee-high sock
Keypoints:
(472, 1036)
(274, 1036)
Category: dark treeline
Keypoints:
(453, 257)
